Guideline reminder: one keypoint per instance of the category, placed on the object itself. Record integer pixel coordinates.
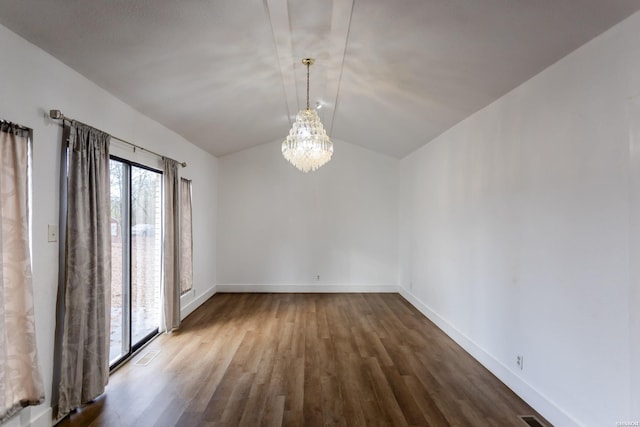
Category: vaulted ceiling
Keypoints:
(389, 75)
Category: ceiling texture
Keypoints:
(389, 75)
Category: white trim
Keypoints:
(26, 417)
(43, 419)
(197, 302)
(541, 403)
(308, 288)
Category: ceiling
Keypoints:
(389, 75)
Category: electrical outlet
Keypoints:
(318, 277)
(52, 233)
(520, 361)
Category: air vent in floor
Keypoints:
(147, 358)
(531, 421)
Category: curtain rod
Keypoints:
(57, 115)
(21, 127)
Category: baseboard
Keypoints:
(36, 416)
(541, 403)
(43, 419)
(308, 288)
(187, 309)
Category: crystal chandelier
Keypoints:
(307, 147)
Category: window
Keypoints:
(136, 248)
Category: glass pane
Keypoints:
(146, 249)
(119, 345)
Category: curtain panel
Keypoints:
(171, 248)
(84, 361)
(186, 237)
(20, 378)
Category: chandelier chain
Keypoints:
(308, 64)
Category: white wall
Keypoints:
(32, 83)
(516, 233)
(278, 228)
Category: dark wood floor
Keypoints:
(305, 360)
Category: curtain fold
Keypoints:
(171, 248)
(20, 379)
(84, 363)
(186, 237)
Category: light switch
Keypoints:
(53, 233)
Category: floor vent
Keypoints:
(147, 358)
(532, 421)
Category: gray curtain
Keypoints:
(20, 380)
(186, 237)
(171, 249)
(84, 363)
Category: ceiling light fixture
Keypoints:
(307, 147)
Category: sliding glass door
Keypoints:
(136, 248)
